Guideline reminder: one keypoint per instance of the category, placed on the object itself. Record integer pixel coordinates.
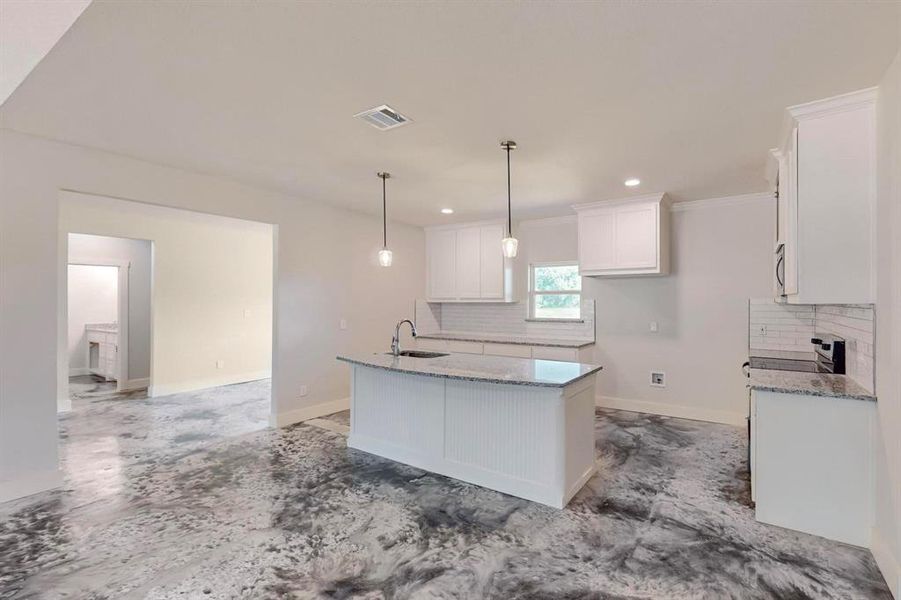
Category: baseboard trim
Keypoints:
(167, 389)
(888, 563)
(673, 410)
(309, 412)
(27, 485)
(76, 371)
(136, 384)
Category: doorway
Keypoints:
(108, 312)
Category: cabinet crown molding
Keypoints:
(825, 107)
(659, 197)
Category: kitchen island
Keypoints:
(520, 426)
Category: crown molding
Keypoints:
(660, 197)
(824, 107)
(722, 201)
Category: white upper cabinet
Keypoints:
(468, 267)
(826, 174)
(492, 275)
(466, 264)
(624, 237)
(441, 258)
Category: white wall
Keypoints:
(93, 298)
(887, 532)
(138, 254)
(212, 288)
(326, 267)
(722, 253)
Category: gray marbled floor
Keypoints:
(190, 496)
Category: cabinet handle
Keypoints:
(779, 263)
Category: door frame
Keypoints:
(124, 268)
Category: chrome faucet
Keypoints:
(395, 341)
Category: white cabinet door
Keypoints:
(791, 217)
(492, 261)
(636, 237)
(442, 257)
(597, 240)
(468, 269)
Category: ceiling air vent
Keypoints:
(383, 117)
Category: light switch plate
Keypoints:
(303, 390)
(653, 326)
(220, 364)
(343, 324)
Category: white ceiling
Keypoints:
(28, 30)
(688, 96)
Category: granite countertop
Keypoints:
(814, 384)
(477, 367)
(105, 327)
(505, 338)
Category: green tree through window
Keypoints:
(555, 291)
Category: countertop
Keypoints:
(505, 338)
(477, 367)
(814, 384)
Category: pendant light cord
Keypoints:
(384, 215)
(509, 210)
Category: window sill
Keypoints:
(532, 320)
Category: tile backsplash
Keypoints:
(790, 327)
(503, 318)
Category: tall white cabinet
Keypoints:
(629, 236)
(465, 263)
(825, 177)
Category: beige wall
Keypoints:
(326, 266)
(887, 532)
(722, 253)
(211, 296)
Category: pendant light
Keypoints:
(385, 256)
(509, 243)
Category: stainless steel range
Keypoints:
(829, 353)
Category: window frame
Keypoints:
(533, 292)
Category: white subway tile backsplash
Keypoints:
(790, 327)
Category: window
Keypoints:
(555, 291)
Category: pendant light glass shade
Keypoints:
(385, 255)
(509, 244)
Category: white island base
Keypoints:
(528, 441)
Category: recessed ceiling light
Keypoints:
(447, 211)
(632, 182)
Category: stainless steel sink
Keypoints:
(420, 354)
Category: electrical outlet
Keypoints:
(761, 330)
(653, 327)
(304, 391)
(658, 379)
(220, 364)
(246, 313)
